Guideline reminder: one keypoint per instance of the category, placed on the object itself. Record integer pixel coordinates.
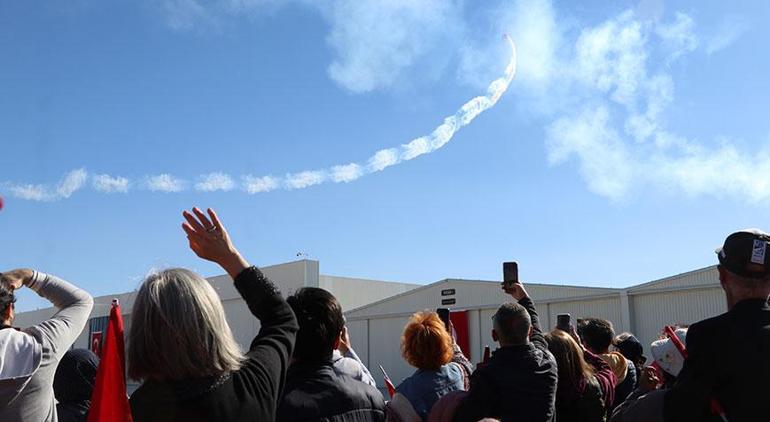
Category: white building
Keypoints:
(378, 310)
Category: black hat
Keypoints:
(631, 348)
(746, 253)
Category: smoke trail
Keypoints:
(385, 158)
(343, 173)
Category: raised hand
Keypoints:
(14, 279)
(516, 290)
(648, 379)
(209, 240)
(345, 344)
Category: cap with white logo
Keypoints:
(746, 253)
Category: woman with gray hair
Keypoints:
(180, 345)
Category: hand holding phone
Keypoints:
(510, 273)
(443, 314)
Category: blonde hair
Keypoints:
(426, 344)
(178, 330)
(569, 357)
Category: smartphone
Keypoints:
(564, 322)
(510, 273)
(443, 313)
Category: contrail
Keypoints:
(342, 173)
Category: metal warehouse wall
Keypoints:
(654, 310)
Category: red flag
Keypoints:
(388, 383)
(109, 402)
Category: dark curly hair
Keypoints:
(596, 333)
(7, 298)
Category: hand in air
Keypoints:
(345, 344)
(14, 279)
(209, 240)
(516, 290)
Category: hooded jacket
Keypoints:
(28, 358)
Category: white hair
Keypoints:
(178, 329)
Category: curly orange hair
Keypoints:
(426, 344)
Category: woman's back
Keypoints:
(205, 377)
(425, 387)
(583, 403)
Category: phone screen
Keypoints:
(443, 313)
(510, 272)
(564, 322)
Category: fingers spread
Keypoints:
(193, 222)
(191, 233)
(215, 219)
(202, 217)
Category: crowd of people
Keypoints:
(302, 367)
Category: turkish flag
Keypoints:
(109, 402)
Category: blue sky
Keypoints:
(632, 140)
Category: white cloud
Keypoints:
(729, 30)
(304, 179)
(375, 41)
(604, 161)
(31, 192)
(183, 15)
(678, 37)
(382, 159)
(610, 107)
(254, 185)
(214, 182)
(165, 183)
(108, 184)
(415, 148)
(72, 182)
(346, 173)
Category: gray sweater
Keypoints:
(28, 358)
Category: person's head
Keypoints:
(569, 357)
(320, 319)
(425, 343)
(7, 299)
(630, 347)
(667, 357)
(75, 376)
(744, 266)
(596, 334)
(178, 329)
(511, 325)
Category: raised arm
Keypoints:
(74, 306)
(346, 349)
(270, 351)
(517, 291)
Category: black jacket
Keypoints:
(249, 394)
(729, 359)
(314, 392)
(518, 383)
(625, 388)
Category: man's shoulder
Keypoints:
(327, 383)
(328, 394)
(709, 325)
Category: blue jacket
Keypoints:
(425, 387)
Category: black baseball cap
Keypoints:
(746, 253)
(631, 348)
